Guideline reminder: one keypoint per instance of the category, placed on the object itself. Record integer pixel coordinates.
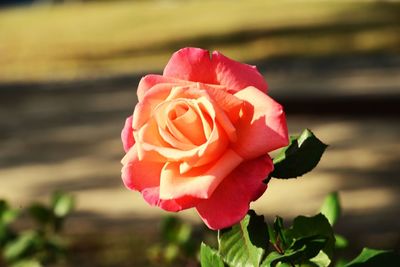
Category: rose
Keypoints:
(200, 136)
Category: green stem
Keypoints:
(277, 248)
(280, 251)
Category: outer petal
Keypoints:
(262, 127)
(230, 201)
(139, 175)
(199, 182)
(151, 195)
(191, 64)
(235, 75)
(127, 134)
(148, 81)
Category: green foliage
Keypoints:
(299, 157)
(27, 263)
(242, 245)
(177, 245)
(20, 246)
(331, 208)
(301, 251)
(341, 242)
(209, 257)
(36, 246)
(62, 204)
(279, 236)
(308, 242)
(321, 260)
(375, 258)
(313, 228)
(174, 230)
(40, 213)
(53, 216)
(7, 215)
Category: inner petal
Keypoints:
(206, 120)
(187, 121)
(174, 137)
(178, 110)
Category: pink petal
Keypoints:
(196, 64)
(191, 64)
(127, 134)
(230, 201)
(199, 182)
(263, 126)
(236, 76)
(144, 176)
(138, 175)
(151, 195)
(148, 81)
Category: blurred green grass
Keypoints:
(101, 39)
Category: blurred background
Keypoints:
(68, 77)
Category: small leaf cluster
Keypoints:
(308, 242)
(178, 247)
(40, 244)
(301, 156)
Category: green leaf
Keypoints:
(173, 230)
(62, 204)
(244, 244)
(341, 242)
(40, 213)
(299, 157)
(317, 225)
(210, 257)
(27, 263)
(309, 247)
(271, 257)
(7, 215)
(375, 258)
(321, 260)
(20, 246)
(171, 252)
(6, 234)
(331, 208)
(341, 262)
(3, 206)
(301, 251)
(154, 253)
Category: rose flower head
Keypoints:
(200, 135)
